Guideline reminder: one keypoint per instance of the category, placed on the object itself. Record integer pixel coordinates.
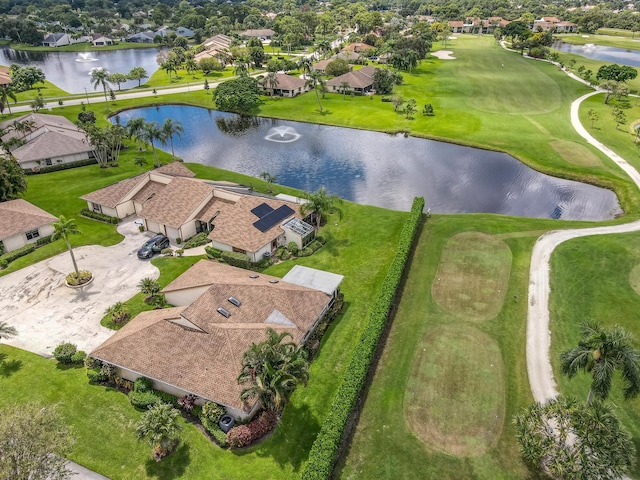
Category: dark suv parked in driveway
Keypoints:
(153, 245)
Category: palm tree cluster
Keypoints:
(160, 427)
(320, 204)
(151, 132)
(272, 370)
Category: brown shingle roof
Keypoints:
(17, 216)
(112, 195)
(177, 202)
(287, 82)
(208, 363)
(234, 224)
(147, 192)
(357, 79)
(175, 169)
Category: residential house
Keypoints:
(352, 57)
(169, 201)
(357, 47)
(321, 66)
(102, 41)
(457, 26)
(57, 40)
(142, 37)
(359, 81)
(214, 46)
(163, 31)
(554, 24)
(197, 346)
(50, 140)
(261, 33)
(184, 32)
(285, 85)
(22, 223)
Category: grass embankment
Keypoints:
(593, 278)
(617, 39)
(83, 47)
(160, 78)
(360, 247)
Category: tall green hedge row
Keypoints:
(324, 449)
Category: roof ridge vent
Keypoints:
(234, 301)
(224, 312)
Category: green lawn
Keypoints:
(360, 247)
(606, 37)
(160, 78)
(591, 279)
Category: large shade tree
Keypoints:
(319, 204)
(272, 370)
(63, 228)
(33, 443)
(575, 441)
(601, 352)
(13, 182)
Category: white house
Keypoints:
(22, 223)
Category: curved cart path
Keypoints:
(543, 386)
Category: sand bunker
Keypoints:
(444, 55)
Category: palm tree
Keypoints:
(271, 81)
(148, 286)
(344, 88)
(100, 76)
(7, 92)
(306, 65)
(135, 128)
(160, 427)
(601, 352)
(319, 204)
(7, 331)
(314, 80)
(150, 133)
(64, 228)
(273, 369)
(169, 129)
(169, 66)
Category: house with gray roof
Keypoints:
(184, 32)
(142, 37)
(178, 206)
(22, 223)
(197, 346)
(56, 40)
(47, 140)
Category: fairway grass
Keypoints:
(454, 399)
(473, 275)
(575, 153)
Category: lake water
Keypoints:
(376, 168)
(71, 72)
(598, 52)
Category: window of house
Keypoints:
(96, 207)
(32, 234)
(48, 161)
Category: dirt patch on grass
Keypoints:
(575, 153)
(454, 400)
(473, 275)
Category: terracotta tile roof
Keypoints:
(356, 79)
(234, 224)
(18, 216)
(112, 195)
(177, 202)
(357, 47)
(175, 169)
(208, 363)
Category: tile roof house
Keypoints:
(178, 206)
(360, 81)
(102, 41)
(213, 46)
(184, 32)
(197, 346)
(321, 66)
(554, 24)
(358, 47)
(286, 86)
(52, 140)
(261, 33)
(22, 223)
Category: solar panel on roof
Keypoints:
(262, 210)
(271, 219)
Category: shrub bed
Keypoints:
(244, 435)
(15, 254)
(144, 395)
(213, 252)
(209, 417)
(197, 240)
(43, 241)
(85, 212)
(67, 354)
(61, 166)
(236, 259)
(325, 447)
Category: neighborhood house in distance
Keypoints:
(45, 140)
(170, 202)
(197, 346)
(22, 223)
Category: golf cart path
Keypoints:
(543, 386)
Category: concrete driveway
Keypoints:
(36, 301)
